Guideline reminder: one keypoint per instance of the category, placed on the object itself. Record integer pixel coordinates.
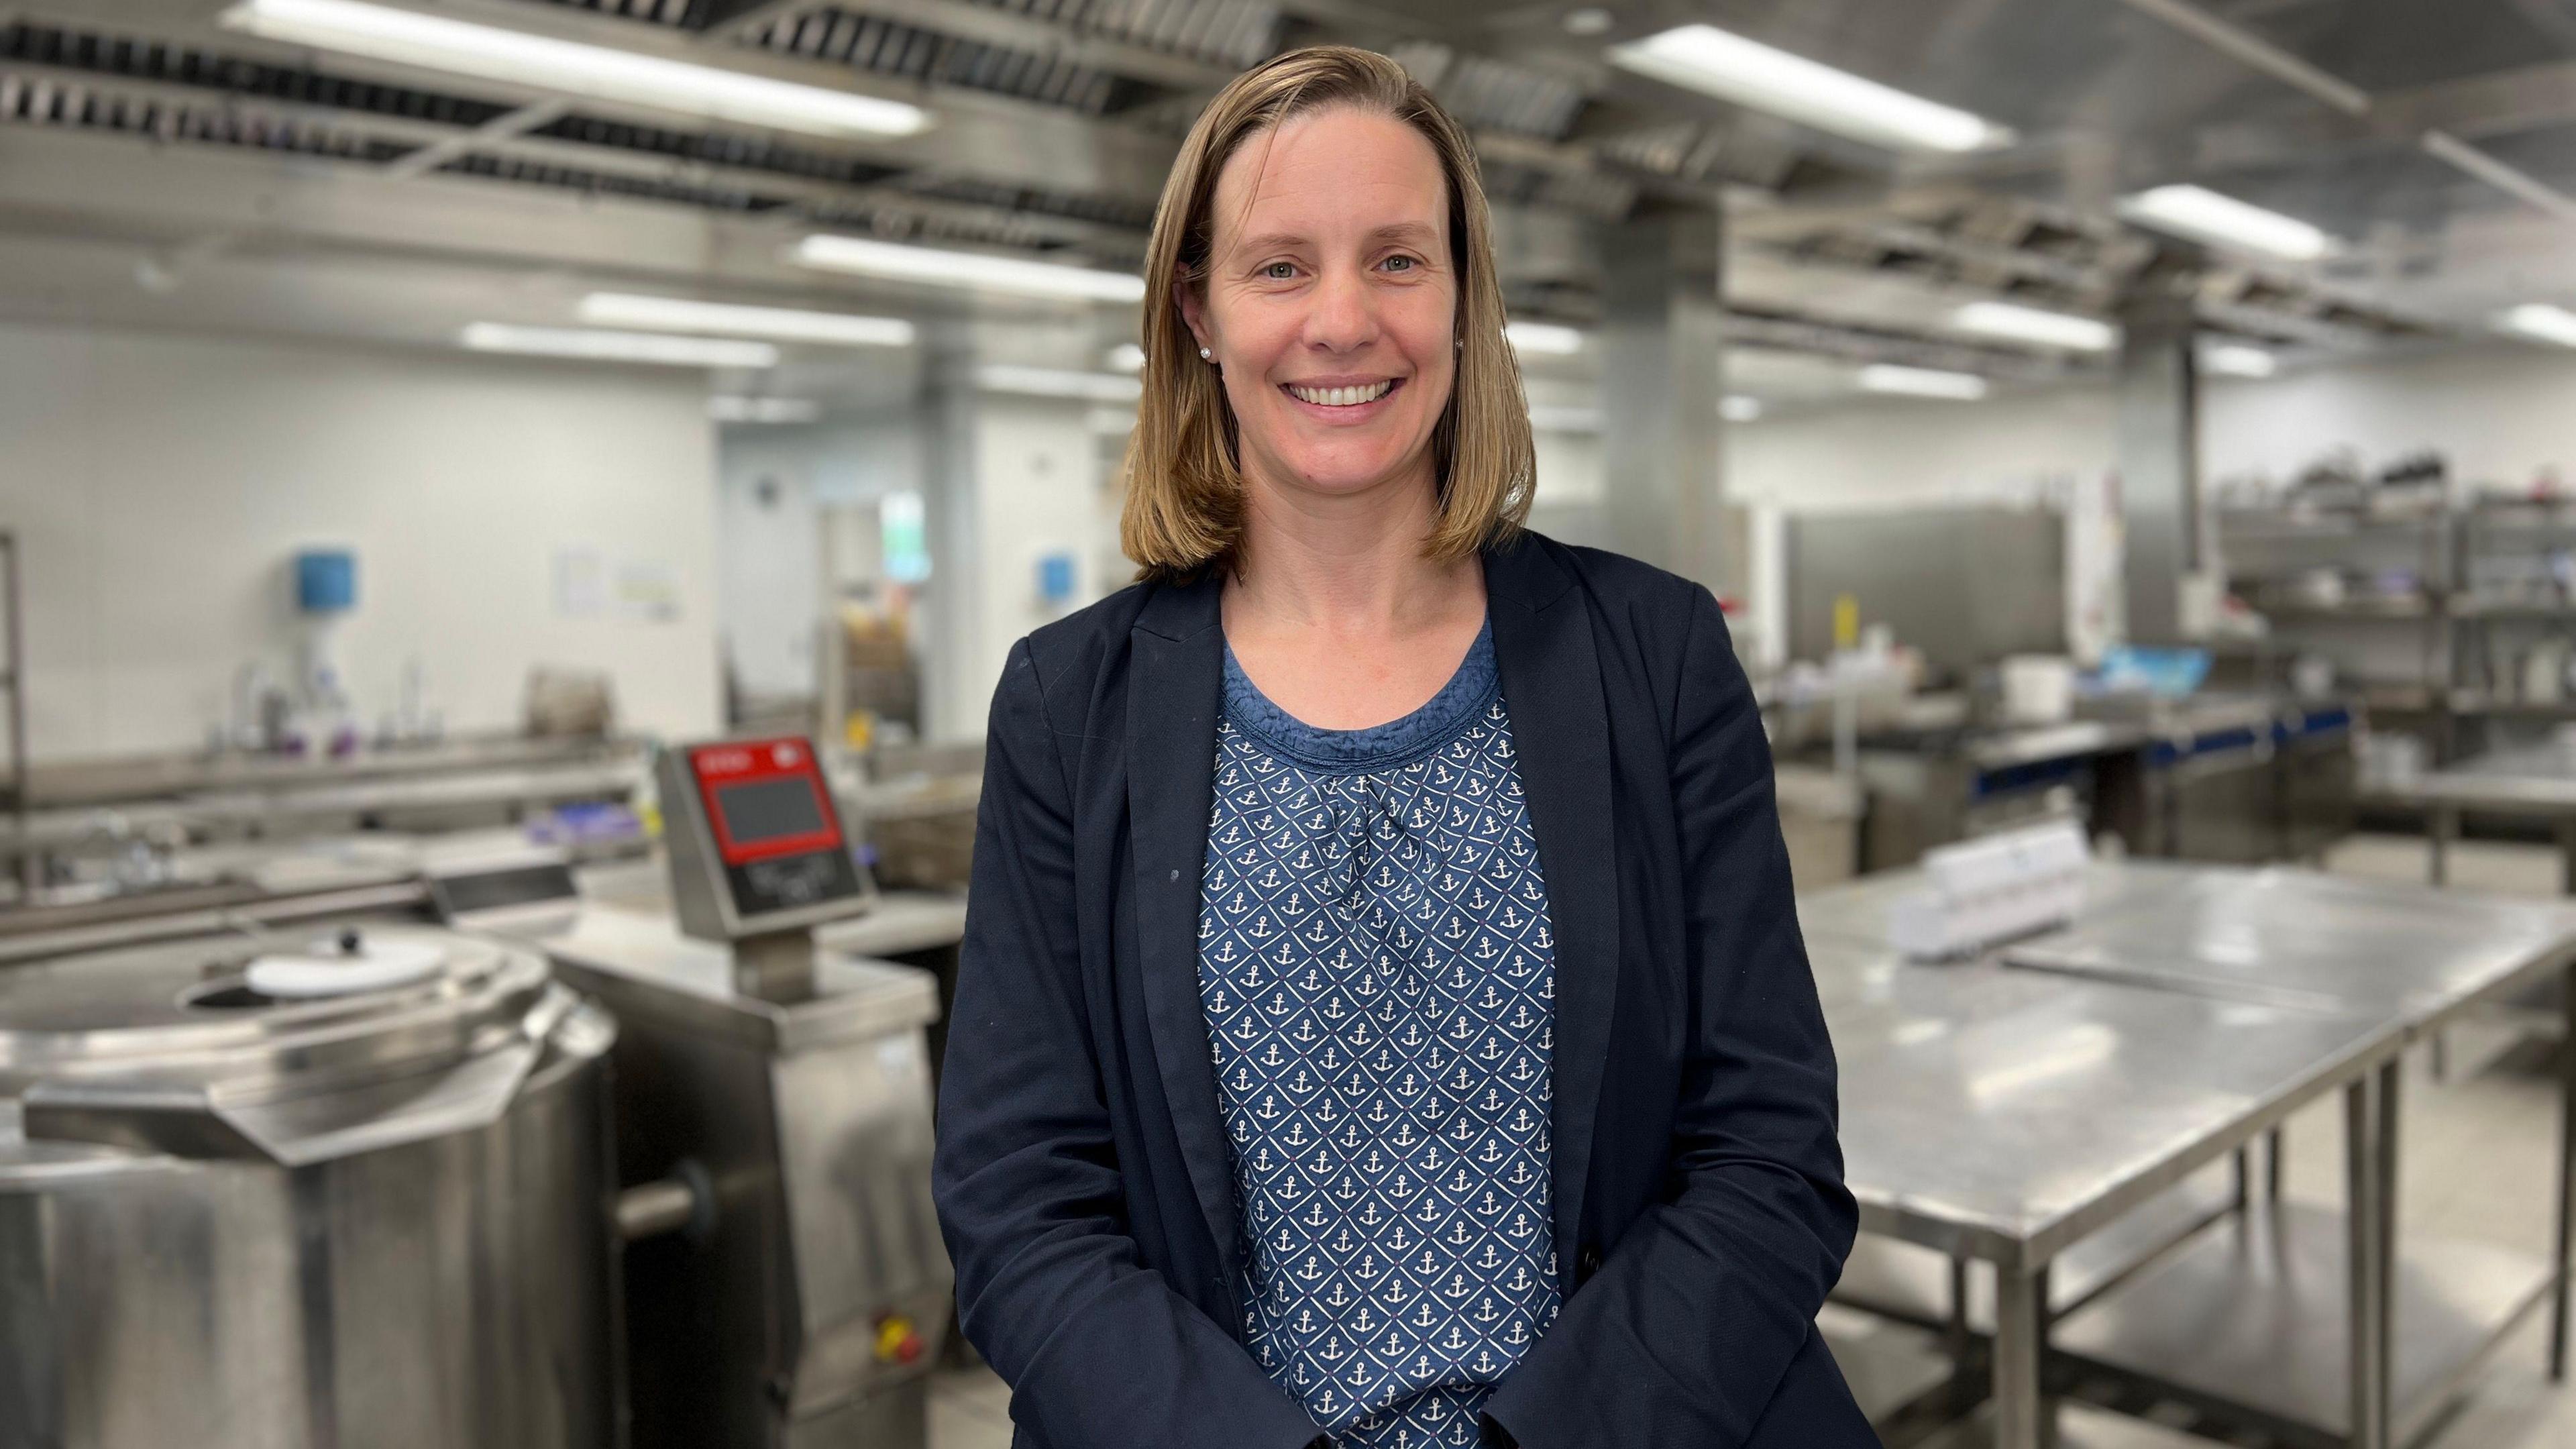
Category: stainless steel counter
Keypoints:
(2010, 1115)
(148, 777)
(2004, 1115)
(2533, 783)
(2414, 958)
(253, 809)
(2298, 938)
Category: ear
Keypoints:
(1193, 312)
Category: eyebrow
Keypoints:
(1413, 231)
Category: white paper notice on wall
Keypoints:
(581, 583)
(647, 590)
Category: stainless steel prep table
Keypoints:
(2533, 783)
(2006, 1116)
(250, 810)
(2411, 956)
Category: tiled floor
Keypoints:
(2479, 1149)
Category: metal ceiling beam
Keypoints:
(2353, 101)
(2445, 147)
(1868, 344)
(2496, 104)
(2244, 45)
(503, 127)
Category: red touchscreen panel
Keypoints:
(765, 798)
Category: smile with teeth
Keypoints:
(1341, 397)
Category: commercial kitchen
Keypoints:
(512, 513)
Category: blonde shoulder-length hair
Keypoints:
(1184, 508)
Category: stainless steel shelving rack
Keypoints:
(2452, 698)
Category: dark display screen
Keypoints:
(759, 810)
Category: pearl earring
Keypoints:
(1205, 355)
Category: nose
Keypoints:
(1344, 315)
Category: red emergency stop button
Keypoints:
(897, 1340)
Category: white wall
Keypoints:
(2501, 413)
(159, 485)
(1897, 453)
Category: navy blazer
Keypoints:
(1084, 1182)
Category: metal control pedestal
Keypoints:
(785, 1283)
(801, 1302)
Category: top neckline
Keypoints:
(1469, 692)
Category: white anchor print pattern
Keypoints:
(1378, 978)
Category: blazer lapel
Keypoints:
(1173, 695)
(1561, 731)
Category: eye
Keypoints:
(1280, 271)
(1401, 264)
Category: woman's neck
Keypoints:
(1348, 564)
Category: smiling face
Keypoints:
(1330, 303)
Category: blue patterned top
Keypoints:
(1380, 983)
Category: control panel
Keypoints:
(756, 844)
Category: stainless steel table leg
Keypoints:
(2567, 856)
(2566, 1186)
(2384, 1228)
(2272, 1150)
(2446, 828)
(2024, 1418)
(2362, 1319)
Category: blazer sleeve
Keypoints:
(1099, 1351)
(1687, 1328)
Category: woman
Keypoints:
(1382, 1019)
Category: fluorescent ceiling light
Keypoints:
(2031, 324)
(2544, 322)
(600, 346)
(1125, 357)
(1553, 418)
(569, 67)
(1922, 382)
(1740, 409)
(1728, 66)
(764, 409)
(1057, 382)
(980, 270)
(2231, 359)
(1543, 338)
(2204, 215)
(787, 324)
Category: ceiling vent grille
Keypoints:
(162, 62)
(890, 48)
(1223, 32)
(50, 101)
(679, 14)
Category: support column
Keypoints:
(2159, 466)
(1013, 512)
(1662, 381)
